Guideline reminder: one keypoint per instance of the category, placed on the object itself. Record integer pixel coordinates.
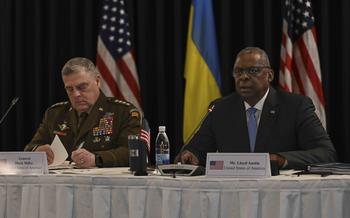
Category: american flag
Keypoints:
(216, 165)
(115, 57)
(300, 70)
(145, 135)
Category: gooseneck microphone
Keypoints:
(210, 109)
(13, 102)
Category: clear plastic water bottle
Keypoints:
(162, 147)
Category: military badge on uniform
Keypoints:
(135, 113)
(96, 139)
(60, 133)
(63, 127)
(105, 127)
(107, 138)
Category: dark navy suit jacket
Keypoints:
(288, 126)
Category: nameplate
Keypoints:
(23, 163)
(238, 164)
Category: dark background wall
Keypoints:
(38, 37)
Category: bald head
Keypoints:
(261, 58)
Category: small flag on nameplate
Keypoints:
(216, 165)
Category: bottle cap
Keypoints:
(161, 128)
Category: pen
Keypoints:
(80, 146)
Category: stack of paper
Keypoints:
(333, 168)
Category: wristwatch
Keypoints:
(98, 160)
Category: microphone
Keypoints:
(210, 109)
(13, 102)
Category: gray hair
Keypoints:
(78, 64)
(249, 50)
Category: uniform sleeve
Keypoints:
(314, 143)
(41, 136)
(128, 123)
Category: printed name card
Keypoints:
(23, 163)
(238, 164)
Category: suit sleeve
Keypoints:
(119, 155)
(314, 143)
(203, 140)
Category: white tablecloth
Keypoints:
(124, 195)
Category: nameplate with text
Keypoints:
(23, 163)
(238, 164)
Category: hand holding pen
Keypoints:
(79, 147)
(82, 157)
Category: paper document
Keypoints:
(59, 151)
(64, 166)
(331, 168)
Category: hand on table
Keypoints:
(187, 157)
(279, 158)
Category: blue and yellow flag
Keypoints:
(202, 71)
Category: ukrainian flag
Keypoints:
(202, 71)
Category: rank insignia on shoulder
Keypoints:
(135, 113)
(121, 102)
(59, 104)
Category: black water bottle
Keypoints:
(137, 156)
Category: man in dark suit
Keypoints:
(101, 124)
(257, 118)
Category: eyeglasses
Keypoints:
(251, 71)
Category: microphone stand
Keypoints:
(13, 102)
(210, 109)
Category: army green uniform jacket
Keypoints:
(105, 130)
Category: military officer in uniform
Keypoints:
(100, 124)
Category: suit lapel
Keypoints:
(267, 121)
(237, 129)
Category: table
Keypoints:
(116, 193)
